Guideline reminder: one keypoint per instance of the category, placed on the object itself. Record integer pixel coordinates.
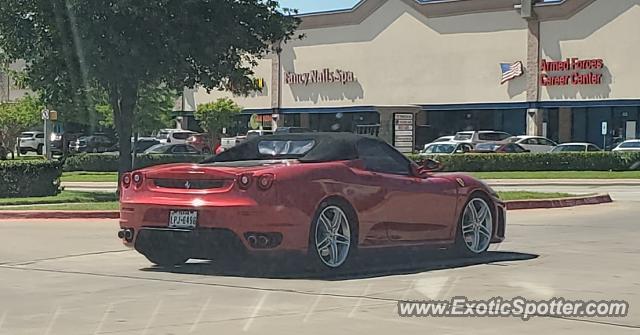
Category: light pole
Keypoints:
(275, 117)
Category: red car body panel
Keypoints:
(390, 210)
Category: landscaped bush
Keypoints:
(29, 178)
(109, 163)
(593, 161)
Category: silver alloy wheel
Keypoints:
(477, 225)
(333, 236)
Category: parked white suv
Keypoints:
(31, 141)
(482, 136)
(174, 136)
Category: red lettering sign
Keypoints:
(580, 72)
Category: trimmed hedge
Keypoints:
(29, 178)
(593, 161)
(109, 163)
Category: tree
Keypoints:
(216, 115)
(17, 117)
(121, 46)
(153, 109)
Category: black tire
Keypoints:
(166, 259)
(319, 261)
(39, 151)
(461, 247)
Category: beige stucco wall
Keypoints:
(401, 57)
(254, 100)
(606, 29)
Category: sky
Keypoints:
(308, 6)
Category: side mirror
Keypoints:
(431, 165)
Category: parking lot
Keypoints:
(74, 277)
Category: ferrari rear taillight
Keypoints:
(265, 181)
(137, 179)
(245, 181)
(126, 180)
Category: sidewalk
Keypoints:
(112, 186)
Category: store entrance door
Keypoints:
(630, 131)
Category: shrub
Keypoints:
(109, 163)
(593, 161)
(29, 178)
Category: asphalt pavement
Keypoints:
(74, 277)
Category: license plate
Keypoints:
(183, 219)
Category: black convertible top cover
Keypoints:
(328, 147)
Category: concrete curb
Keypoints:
(559, 203)
(511, 205)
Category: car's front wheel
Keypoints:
(475, 227)
(333, 238)
(166, 259)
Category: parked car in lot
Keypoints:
(94, 143)
(172, 149)
(256, 133)
(628, 146)
(442, 139)
(174, 136)
(576, 147)
(533, 143)
(200, 142)
(323, 195)
(446, 148)
(482, 136)
(500, 148)
(61, 140)
(292, 130)
(31, 141)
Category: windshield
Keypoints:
(157, 149)
(163, 135)
(463, 136)
(285, 148)
(513, 139)
(440, 149)
(630, 145)
(571, 148)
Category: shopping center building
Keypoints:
(410, 70)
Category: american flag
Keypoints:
(510, 71)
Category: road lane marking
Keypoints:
(152, 318)
(54, 318)
(200, 315)
(254, 314)
(313, 306)
(359, 302)
(104, 318)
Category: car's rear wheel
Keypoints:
(333, 239)
(39, 149)
(475, 227)
(166, 259)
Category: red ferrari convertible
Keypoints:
(325, 195)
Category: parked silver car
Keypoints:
(533, 143)
(628, 146)
(576, 147)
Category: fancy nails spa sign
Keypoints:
(571, 72)
(319, 77)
